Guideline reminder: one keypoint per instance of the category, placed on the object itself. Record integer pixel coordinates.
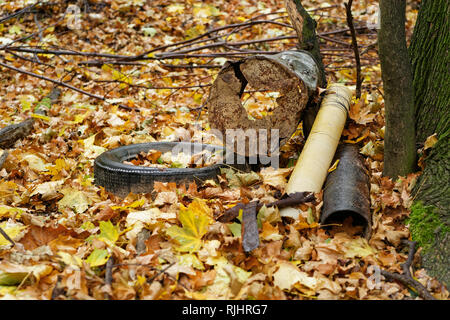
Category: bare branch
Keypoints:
(406, 278)
(348, 9)
(20, 12)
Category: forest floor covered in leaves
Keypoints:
(74, 240)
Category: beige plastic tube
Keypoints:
(315, 159)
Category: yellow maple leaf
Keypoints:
(275, 177)
(202, 10)
(12, 274)
(358, 248)
(108, 232)
(79, 118)
(195, 31)
(91, 150)
(288, 275)
(195, 220)
(34, 162)
(74, 199)
(48, 190)
(8, 190)
(360, 111)
(305, 225)
(60, 164)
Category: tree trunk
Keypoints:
(430, 63)
(305, 27)
(399, 140)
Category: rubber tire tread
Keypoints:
(121, 179)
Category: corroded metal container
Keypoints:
(294, 75)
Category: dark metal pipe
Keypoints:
(347, 190)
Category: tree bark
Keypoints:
(305, 27)
(399, 140)
(430, 63)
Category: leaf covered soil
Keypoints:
(74, 240)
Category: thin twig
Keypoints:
(59, 83)
(152, 87)
(97, 63)
(56, 292)
(239, 54)
(190, 66)
(160, 272)
(39, 32)
(333, 40)
(348, 10)
(35, 60)
(290, 200)
(248, 23)
(66, 52)
(341, 31)
(64, 84)
(3, 157)
(108, 275)
(232, 44)
(125, 60)
(20, 12)
(370, 47)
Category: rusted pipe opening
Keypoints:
(346, 192)
(336, 220)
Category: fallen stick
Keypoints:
(289, 200)
(3, 157)
(11, 133)
(122, 59)
(250, 234)
(59, 83)
(20, 12)
(7, 237)
(109, 276)
(63, 84)
(406, 278)
(57, 290)
(348, 9)
(189, 66)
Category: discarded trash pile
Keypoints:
(295, 75)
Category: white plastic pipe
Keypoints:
(315, 159)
